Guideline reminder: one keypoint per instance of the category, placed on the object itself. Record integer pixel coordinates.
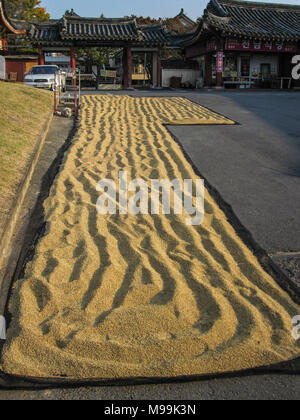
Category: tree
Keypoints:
(28, 10)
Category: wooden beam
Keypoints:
(127, 67)
(159, 75)
(208, 70)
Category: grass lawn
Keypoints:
(23, 112)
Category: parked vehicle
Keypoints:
(44, 77)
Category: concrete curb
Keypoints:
(6, 239)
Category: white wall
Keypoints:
(259, 59)
(186, 74)
(2, 67)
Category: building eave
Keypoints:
(8, 24)
(253, 20)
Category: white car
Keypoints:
(44, 77)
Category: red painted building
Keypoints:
(246, 44)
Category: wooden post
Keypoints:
(219, 79)
(159, 69)
(208, 70)
(127, 67)
(72, 58)
(41, 57)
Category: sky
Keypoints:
(120, 8)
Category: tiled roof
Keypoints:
(44, 32)
(254, 20)
(185, 19)
(76, 29)
(183, 39)
(155, 34)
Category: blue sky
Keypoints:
(120, 8)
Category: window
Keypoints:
(44, 70)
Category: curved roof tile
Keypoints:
(74, 28)
(253, 19)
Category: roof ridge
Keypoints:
(102, 20)
(152, 26)
(184, 15)
(254, 4)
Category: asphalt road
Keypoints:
(255, 166)
(251, 388)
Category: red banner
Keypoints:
(260, 46)
(220, 62)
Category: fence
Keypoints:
(67, 91)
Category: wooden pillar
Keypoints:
(219, 68)
(281, 66)
(208, 70)
(127, 67)
(41, 57)
(156, 69)
(159, 75)
(3, 43)
(72, 58)
(220, 79)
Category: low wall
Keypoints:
(186, 74)
(2, 68)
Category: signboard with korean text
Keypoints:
(260, 46)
